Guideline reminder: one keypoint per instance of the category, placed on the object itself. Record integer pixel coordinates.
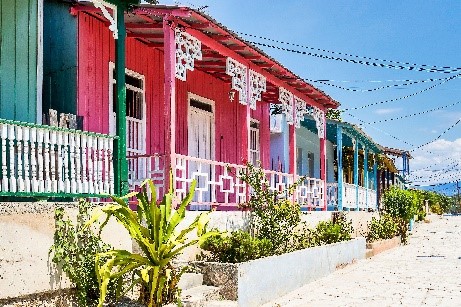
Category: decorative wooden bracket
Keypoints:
(103, 6)
(319, 117)
(238, 72)
(188, 49)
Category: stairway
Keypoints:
(196, 294)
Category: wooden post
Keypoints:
(121, 164)
(323, 158)
(375, 178)
(356, 172)
(292, 148)
(339, 155)
(365, 174)
(170, 98)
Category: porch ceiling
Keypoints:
(350, 129)
(145, 23)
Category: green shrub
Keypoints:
(74, 250)
(238, 246)
(381, 229)
(340, 229)
(272, 216)
(401, 205)
(157, 231)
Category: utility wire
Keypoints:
(446, 130)
(414, 114)
(402, 66)
(403, 97)
(376, 88)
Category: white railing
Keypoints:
(362, 197)
(218, 183)
(332, 194)
(147, 166)
(371, 199)
(349, 196)
(44, 160)
(366, 197)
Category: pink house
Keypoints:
(197, 99)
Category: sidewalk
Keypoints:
(426, 272)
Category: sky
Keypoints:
(410, 31)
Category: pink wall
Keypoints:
(96, 49)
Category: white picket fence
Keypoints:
(44, 160)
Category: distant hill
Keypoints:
(445, 188)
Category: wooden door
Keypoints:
(201, 145)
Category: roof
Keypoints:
(348, 129)
(145, 23)
(397, 152)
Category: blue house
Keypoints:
(357, 168)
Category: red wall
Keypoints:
(96, 49)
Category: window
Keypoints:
(299, 161)
(254, 142)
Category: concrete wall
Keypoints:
(26, 234)
(293, 270)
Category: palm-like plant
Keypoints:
(156, 229)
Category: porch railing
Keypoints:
(218, 183)
(349, 193)
(332, 194)
(50, 161)
(366, 197)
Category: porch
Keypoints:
(47, 161)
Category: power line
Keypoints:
(403, 97)
(376, 88)
(398, 64)
(446, 130)
(414, 114)
(378, 81)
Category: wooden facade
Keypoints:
(20, 64)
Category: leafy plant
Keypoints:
(337, 230)
(156, 229)
(382, 228)
(238, 246)
(273, 217)
(402, 206)
(74, 249)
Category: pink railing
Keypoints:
(218, 183)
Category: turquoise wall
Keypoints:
(60, 62)
(18, 59)
(310, 142)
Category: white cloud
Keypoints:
(443, 164)
(387, 111)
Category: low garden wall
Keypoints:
(26, 234)
(281, 274)
(382, 245)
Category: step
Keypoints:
(223, 303)
(199, 296)
(369, 253)
(190, 280)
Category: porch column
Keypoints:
(292, 151)
(121, 164)
(365, 174)
(355, 143)
(339, 155)
(323, 158)
(170, 98)
(375, 179)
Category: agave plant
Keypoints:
(157, 230)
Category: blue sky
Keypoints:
(421, 32)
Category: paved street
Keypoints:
(427, 272)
